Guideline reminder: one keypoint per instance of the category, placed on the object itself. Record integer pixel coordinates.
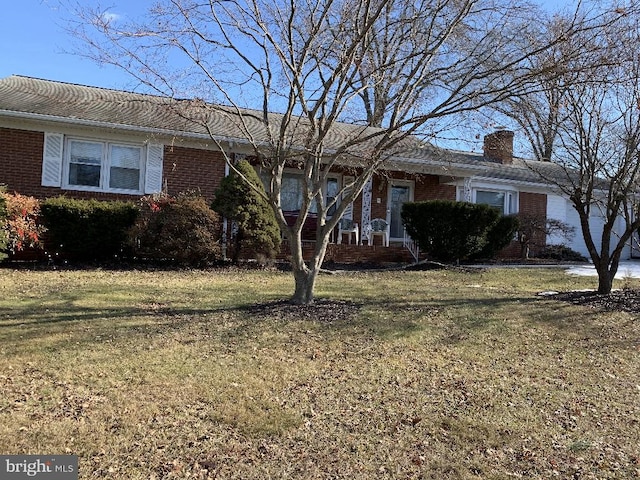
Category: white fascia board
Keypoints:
(434, 167)
(506, 181)
(119, 126)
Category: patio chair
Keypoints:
(379, 226)
(346, 225)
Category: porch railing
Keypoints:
(412, 246)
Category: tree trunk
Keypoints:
(305, 274)
(305, 282)
(605, 278)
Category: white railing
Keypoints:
(412, 246)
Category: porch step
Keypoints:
(345, 253)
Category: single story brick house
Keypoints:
(60, 138)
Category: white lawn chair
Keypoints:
(347, 226)
(379, 226)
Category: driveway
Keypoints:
(627, 269)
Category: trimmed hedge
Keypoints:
(87, 230)
(454, 231)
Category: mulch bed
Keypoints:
(626, 299)
(321, 310)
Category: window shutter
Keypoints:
(52, 160)
(348, 212)
(153, 169)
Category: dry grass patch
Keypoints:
(401, 375)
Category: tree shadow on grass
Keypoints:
(382, 318)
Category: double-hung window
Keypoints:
(104, 166)
(101, 166)
(292, 190)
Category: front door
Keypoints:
(399, 193)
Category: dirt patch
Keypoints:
(625, 300)
(321, 310)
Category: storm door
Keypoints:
(399, 193)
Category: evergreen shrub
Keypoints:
(454, 231)
(256, 233)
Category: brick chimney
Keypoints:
(498, 146)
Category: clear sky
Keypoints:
(33, 42)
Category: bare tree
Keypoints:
(394, 69)
(590, 128)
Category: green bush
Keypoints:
(182, 230)
(256, 229)
(87, 230)
(499, 236)
(454, 231)
(4, 234)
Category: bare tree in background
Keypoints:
(587, 121)
(396, 70)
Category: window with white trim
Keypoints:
(505, 201)
(292, 189)
(75, 163)
(103, 166)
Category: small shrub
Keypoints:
(88, 230)
(256, 229)
(181, 229)
(22, 227)
(561, 253)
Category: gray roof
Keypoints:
(70, 103)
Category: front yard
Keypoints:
(436, 374)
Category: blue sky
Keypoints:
(33, 42)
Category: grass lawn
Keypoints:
(443, 375)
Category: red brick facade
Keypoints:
(192, 169)
(426, 187)
(187, 169)
(21, 162)
(532, 204)
(21, 168)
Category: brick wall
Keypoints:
(345, 253)
(192, 168)
(428, 187)
(21, 162)
(21, 168)
(534, 204)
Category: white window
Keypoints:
(333, 187)
(292, 190)
(502, 200)
(101, 166)
(125, 167)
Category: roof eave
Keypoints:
(127, 127)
